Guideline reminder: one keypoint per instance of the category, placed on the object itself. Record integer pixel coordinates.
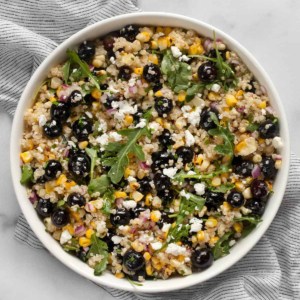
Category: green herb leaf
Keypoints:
(84, 67)
(223, 188)
(109, 199)
(60, 203)
(27, 175)
(252, 220)
(92, 153)
(66, 71)
(71, 245)
(108, 162)
(222, 246)
(252, 127)
(134, 282)
(99, 184)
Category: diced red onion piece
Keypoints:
(119, 202)
(111, 110)
(264, 90)
(256, 172)
(80, 230)
(241, 109)
(65, 86)
(277, 157)
(33, 197)
(207, 45)
(144, 165)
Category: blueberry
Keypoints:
(133, 260)
(163, 106)
(75, 98)
(79, 165)
(76, 199)
(202, 259)
(60, 111)
(257, 207)
(86, 51)
(138, 275)
(145, 186)
(107, 239)
(60, 217)
(89, 99)
(82, 128)
(206, 122)
(44, 207)
(259, 189)
(151, 73)
(109, 40)
(103, 87)
(121, 217)
(52, 169)
(161, 182)
(185, 153)
(161, 160)
(213, 53)
(138, 115)
(235, 199)
(135, 212)
(165, 218)
(267, 167)
(157, 86)
(207, 72)
(82, 255)
(268, 129)
(109, 100)
(213, 199)
(129, 32)
(252, 88)
(52, 129)
(166, 138)
(242, 167)
(125, 73)
(166, 195)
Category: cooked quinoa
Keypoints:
(150, 152)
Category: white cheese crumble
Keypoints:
(116, 239)
(170, 172)
(102, 140)
(176, 52)
(192, 116)
(231, 243)
(102, 126)
(215, 87)
(196, 225)
(191, 172)
(141, 124)
(42, 120)
(115, 137)
(129, 204)
(184, 58)
(131, 179)
(175, 250)
(166, 227)
(189, 138)
(277, 143)
(156, 245)
(183, 193)
(199, 188)
(65, 237)
(124, 108)
(101, 227)
(154, 126)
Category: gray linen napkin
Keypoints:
(271, 270)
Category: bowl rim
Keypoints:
(108, 279)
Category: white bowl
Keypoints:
(57, 56)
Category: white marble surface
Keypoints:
(269, 29)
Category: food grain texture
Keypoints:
(150, 152)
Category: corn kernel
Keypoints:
(159, 29)
(84, 242)
(167, 30)
(70, 228)
(149, 269)
(200, 236)
(83, 145)
(154, 44)
(128, 172)
(212, 96)
(137, 196)
(138, 71)
(26, 156)
(159, 121)
(194, 239)
(143, 37)
(155, 215)
(96, 94)
(89, 233)
(69, 184)
(137, 246)
(240, 146)
(120, 194)
(196, 49)
(181, 96)
(147, 256)
(211, 222)
(247, 193)
(128, 120)
(52, 99)
(198, 160)
(148, 199)
(195, 76)
(164, 42)
(93, 224)
(230, 100)
(216, 181)
(51, 156)
(49, 187)
(153, 58)
(227, 55)
(158, 94)
(262, 104)
(120, 275)
(226, 206)
(61, 179)
(257, 158)
(278, 164)
(95, 106)
(239, 186)
(134, 185)
(213, 240)
(239, 94)
(238, 227)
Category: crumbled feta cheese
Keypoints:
(102, 126)
(89, 114)
(124, 108)
(277, 142)
(141, 124)
(191, 172)
(183, 193)
(166, 227)
(112, 60)
(199, 188)
(175, 250)
(247, 146)
(40, 149)
(101, 226)
(65, 237)
(170, 172)
(116, 239)
(193, 116)
(129, 204)
(115, 137)
(131, 179)
(156, 245)
(196, 224)
(154, 126)
(102, 140)
(189, 138)
(231, 243)
(176, 52)
(184, 58)
(215, 87)
(42, 120)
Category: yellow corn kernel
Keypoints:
(137, 196)
(137, 246)
(239, 94)
(216, 181)
(51, 156)
(238, 227)
(120, 194)
(147, 256)
(83, 145)
(181, 96)
(93, 224)
(84, 242)
(89, 233)
(195, 76)
(181, 258)
(227, 55)
(26, 156)
(128, 120)
(148, 199)
(211, 222)
(153, 59)
(194, 239)
(158, 94)
(134, 185)
(163, 42)
(230, 100)
(154, 44)
(226, 205)
(213, 240)
(157, 266)
(96, 94)
(262, 104)
(53, 99)
(95, 106)
(198, 160)
(70, 228)
(200, 236)
(159, 29)
(69, 184)
(138, 71)
(212, 96)
(239, 186)
(149, 269)
(61, 179)
(128, 172)
(30, 145)
(155, 215)
(120, 275)
(143, 37)
(179, 243)
(167, 30)
(269, 183)
(159, 121)
(196, 49)
(240, 146)
(49, 186)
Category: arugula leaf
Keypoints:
(227, 148)
(84, 67)
(99, 184)
(108, 198)
(252, 220)
(134, 282)
(99, 247)
(252, 127)
(222, 246)
(27, 175)
(66, 71)
(72, 245)
(92, 153)
(223, 188)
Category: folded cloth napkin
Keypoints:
(271, 270)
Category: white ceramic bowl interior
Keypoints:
(57, 56)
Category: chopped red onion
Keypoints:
(241, 109)
(234, 62)
(119, 202)
(270, 110)
(63, 98)
(277, 157)
(66, 152)
(207, 45)
(65, 86)
(264, 90)
(111, 110)
(33, 197)
(256, 172)
(80, 230)
(144, 165)
(133, 89)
